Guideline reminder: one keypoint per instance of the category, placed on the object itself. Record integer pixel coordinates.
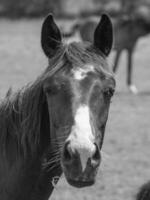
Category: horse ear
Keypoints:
(50, 36)
(103, 35)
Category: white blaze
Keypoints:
(81, 137)
(80, 73)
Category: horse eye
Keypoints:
(109, 92)
(52, 90)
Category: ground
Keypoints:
(126, 149)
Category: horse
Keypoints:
(144, 192)
(56, 124)
(127, 31)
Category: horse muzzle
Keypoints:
(75, 173)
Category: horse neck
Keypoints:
(24, 123)
(46, 134)
(43, 131)
(38, 124)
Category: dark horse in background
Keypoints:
(144, 192)
(127, 31)
(56, 124)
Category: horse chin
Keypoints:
(78, 178)
(80, 184)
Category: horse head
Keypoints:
(78, 86)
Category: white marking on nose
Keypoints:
(81, 137)
(80, 73)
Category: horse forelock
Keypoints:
(77, 54)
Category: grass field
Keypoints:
(126, 163)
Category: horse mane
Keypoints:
(20, 119)
(22, 113)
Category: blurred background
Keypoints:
(67, 8)
(126, 150)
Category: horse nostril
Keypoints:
(96, 156)
(66, 152)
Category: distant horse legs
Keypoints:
(115, 67)
(132, 87)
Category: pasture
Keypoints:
(126, 150)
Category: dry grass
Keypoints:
(126, 163)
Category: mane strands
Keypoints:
(20, 115)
